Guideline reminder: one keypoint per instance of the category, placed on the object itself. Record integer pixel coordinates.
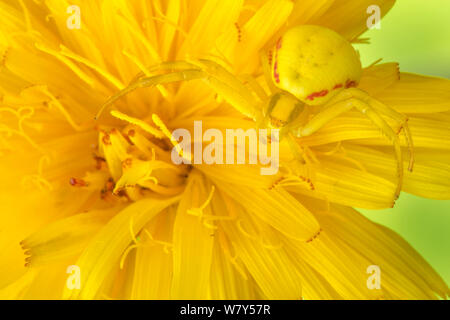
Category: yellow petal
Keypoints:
(260, 29)
(209, 24)
(378, 77)
(64, 238)
(338, 16)
(192, 244)
(277, 208)
(258, 247)
(227, 278)
(152, 273)
(404, 274)
(417, 94)
(430, 177)
(343, 181)
(105, 250)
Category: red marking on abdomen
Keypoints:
(276, 75)
(340, 85)
(279, 44)
(317, 94)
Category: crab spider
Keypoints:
(310, 66)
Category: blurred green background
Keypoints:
(416, 33)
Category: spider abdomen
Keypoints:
(314, 63)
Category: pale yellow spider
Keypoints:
(310, 66)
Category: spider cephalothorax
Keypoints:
(310, 66)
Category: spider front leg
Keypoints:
(220, 80)
(183, 75)
(335, 108)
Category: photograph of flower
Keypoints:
(224, 150)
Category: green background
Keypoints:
(416, 33)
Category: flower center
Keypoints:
(132, 164)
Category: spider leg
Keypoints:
(230, 88)
(267, 69)
(183, 75)
(220, 80)
(391, 113)
(335, 109)
(171, 66)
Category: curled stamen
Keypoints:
(245, 233)
(29, 111)
(165, 244)
(198, 212)
(270, 246)
(334, 150)
(38, 181)
(311, 154)
(125, 254)
(231, 257)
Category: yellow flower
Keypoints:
(103, 194)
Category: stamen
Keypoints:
(245, 233)
(63, 110)
(20, 132)
(157, 120)
(26, 14)
(141, 124)
(174, 25)
(108, 76)
(38, 181)
(165, 244)
(72, 66)
(311, 154)
(333, 150)
(270, 246)
(138, 34)
(232, 258)
(198, 212)
(167, 191)
(133, 235)
(125, 254)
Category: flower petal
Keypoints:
(152, 276)
(417, 94)
(404, 274)
(277, 208)
(105, 250)
(349, 17)
(192, 245)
